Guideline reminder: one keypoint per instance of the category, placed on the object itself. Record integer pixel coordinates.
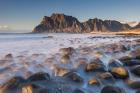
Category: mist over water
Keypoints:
(33, 53)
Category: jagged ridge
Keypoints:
(63, 23)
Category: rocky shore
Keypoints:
(108, 68)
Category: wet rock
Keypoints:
(133, 84)
(94, 81)
(114, 63)
(138, 57)
(119, 72)
(29, 88)
(114, 48)
(125, 58)
(12, 85)
(40, 76)
(65, 59)
(136, 70)
(60, 71)
(67, 51)
(81, 63)
(135, 53)
(112, 89)
(106, 78)
(95, 65)
(9, 56)
(131, 62)
(138, 91)
(74, 76)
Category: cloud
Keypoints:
(4, 27)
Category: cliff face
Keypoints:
(62, 23)
(59, 23)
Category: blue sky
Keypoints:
(26, 14)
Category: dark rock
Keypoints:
(9, 56)
(12, 85)
(94, 81)
(125, 58)
(138, 91)
(135, 53)
(40, 76)
(132, 62)
(112, 89)
(136, 70)
(95, 65)
(74, 76)
(119, 72)
(114, 63)
(133, 84)
(138, 57)
(106, 78)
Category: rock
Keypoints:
(67, 51)
(138, 57)
(138, 91)
(60, 71)
(29, 88)
(40, 76)
(112, 89)
(74, 76)
(106, 78)
(115, 48)
(9, 56)
(34, 88)
(135, 53)
(65, 59)
(125, 58)
(114, 63)
(133, 84)
(130, 62)
(93, 81)
(136, 70)
(119, 72)
(95, 65)
(12, 85)
(80, 63)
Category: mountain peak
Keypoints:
(59, 22)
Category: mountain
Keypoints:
(137, 26)
(132, 24)
(57, 23)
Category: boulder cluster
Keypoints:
(86, 75)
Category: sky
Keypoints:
(24, 15)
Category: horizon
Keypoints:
(23, 16)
